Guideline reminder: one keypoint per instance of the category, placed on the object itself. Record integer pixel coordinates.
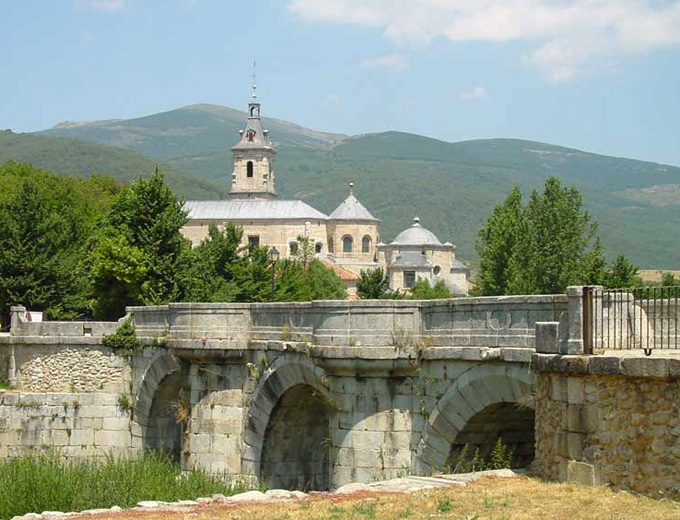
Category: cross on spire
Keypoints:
(253, 76)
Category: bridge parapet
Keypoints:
(480, 322)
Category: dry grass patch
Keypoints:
(487, 499)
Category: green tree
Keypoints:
(669, 280)
(316, 282)
(373, 284)
(45, 219)
(497, 244)
(622, 273)
(211, 267)
(555, 248)
(422, 290)
(220, 269)
(136, 258)
(540, 248)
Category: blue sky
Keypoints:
(599, 75)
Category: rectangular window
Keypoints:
(254, 240)
(409, 279)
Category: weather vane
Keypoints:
(254, 81)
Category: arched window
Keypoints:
(293, 247)
(253, 111)
(347, 244)
(437, 270)
(249, 168)
(366, 244)
(318, 248)
(330, 245)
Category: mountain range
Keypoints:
(451, 186)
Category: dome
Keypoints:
(416, 235)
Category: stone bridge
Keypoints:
(316, 395)
(306, 395)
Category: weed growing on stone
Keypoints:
(5, 385)
(181, 409)
(28, 404)
(123, 340)
(124, 402)
(48, 483)
(401, 339)
(285, 333)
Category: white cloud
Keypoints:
(474, 94)
(567, 36)
(389, 61)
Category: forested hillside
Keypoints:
(84, 158)
(451, 186)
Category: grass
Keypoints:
(46, 483)
(487, 499)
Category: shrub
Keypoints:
(123, 340)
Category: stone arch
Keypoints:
(477, 393)
(289, 378)
(160, 386)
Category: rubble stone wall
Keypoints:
(608, 420)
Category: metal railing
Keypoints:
(637, 318)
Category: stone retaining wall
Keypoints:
(609, 420)
(69, 368)
(74, 425)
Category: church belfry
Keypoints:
(253, 156)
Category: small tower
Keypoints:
(253, 157)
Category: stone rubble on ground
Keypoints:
(397, 485)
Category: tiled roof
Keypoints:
(352, 209)
(252, 209)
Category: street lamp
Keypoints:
(274, 257)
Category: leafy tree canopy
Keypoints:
(422, 290)
(135, 258)
(373, 284)
(44, 223)
(544, 246)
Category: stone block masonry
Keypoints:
(308, 396)
(609, 420)
(72, 425)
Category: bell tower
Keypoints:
(253, 157)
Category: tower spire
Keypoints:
(254, 84)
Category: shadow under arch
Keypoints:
(287, 426)
(471, 400)
(159, 391)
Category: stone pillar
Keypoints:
(371, 433)
(575, 341)
(547, 339)
(18, 315)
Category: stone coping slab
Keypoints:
(661, 365)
